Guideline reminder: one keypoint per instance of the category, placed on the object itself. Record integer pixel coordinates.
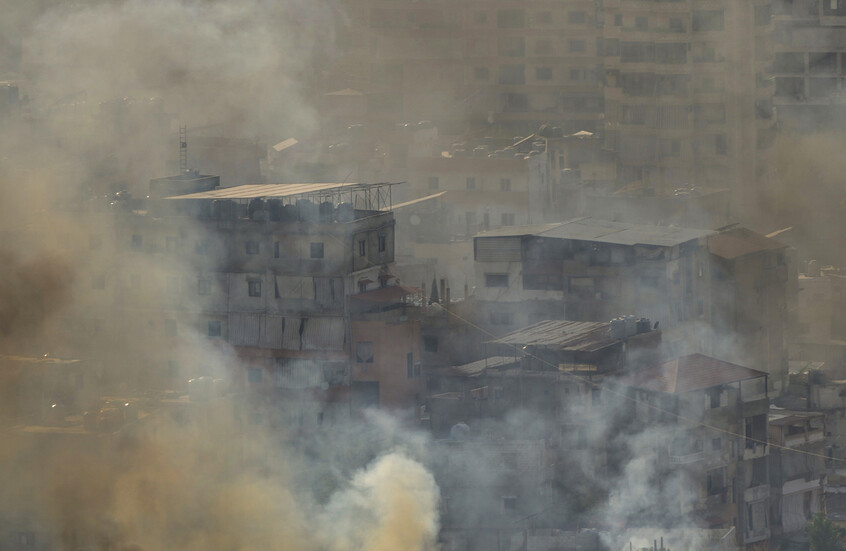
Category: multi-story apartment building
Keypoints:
(679, 91)
(796, 477)
(810, 60)
(714, 417)
(505, 64)
(711, 292)
(251, 283)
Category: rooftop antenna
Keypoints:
(183, 149)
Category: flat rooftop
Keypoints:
(604, 231)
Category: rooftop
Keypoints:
(689, 373)
(583, 336)
(474, 369)
(282, 190)
(604, 231)
(737, 242)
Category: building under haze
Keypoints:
(680, 92)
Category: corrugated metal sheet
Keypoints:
(603, 231)
(323, 333)
(294, 287)
(291, 338)
(498, 249)
(476, 368)
(299, 374)
(272, 333)
(584, 336)
(244, 329)
(265, 190)
(268, 331)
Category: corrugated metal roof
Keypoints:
(739, 242)
(585, 336)
(605, 231)
(474, 369)
(418, 200)
(300, 373)
(265, 190)
(285, 144)
(692, 372)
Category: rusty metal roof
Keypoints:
(605, 231)
(739, 242)
(583, 336)
(688, 373)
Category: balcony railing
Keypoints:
(687, 458)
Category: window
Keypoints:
(511, 46)
(542, 17)
(203, 286)
(511, 19)
(716, 481)
(711, 20)
(430, 344)
(362, 247)
(577, 46)
(171, 243)
(383, 243)
(543, 47)
(676, 25)
(254, 287)
(26, 538)
(507, 218)
(577, 17)
(505, 184)
(252, 247)
(276, 249)
(215, 328)
(137, 242)
(716, 444)
(512, 74)
(170, 327)
(254, 375)
(364, 352)
(409, 365)
(543, 73)
(763, 14)
(98, 282)
(720, 144)
(362, 287)
(618, 20)
(479, 73)
(641, 23)
(471, 183)
(509, 503)
(496, 280)
(433, 182)
(316, 250)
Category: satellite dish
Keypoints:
(414, 219)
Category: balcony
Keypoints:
(756, 493)
(800, 439)
(687, 458)
(754, 450)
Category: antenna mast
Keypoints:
(183, 149)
